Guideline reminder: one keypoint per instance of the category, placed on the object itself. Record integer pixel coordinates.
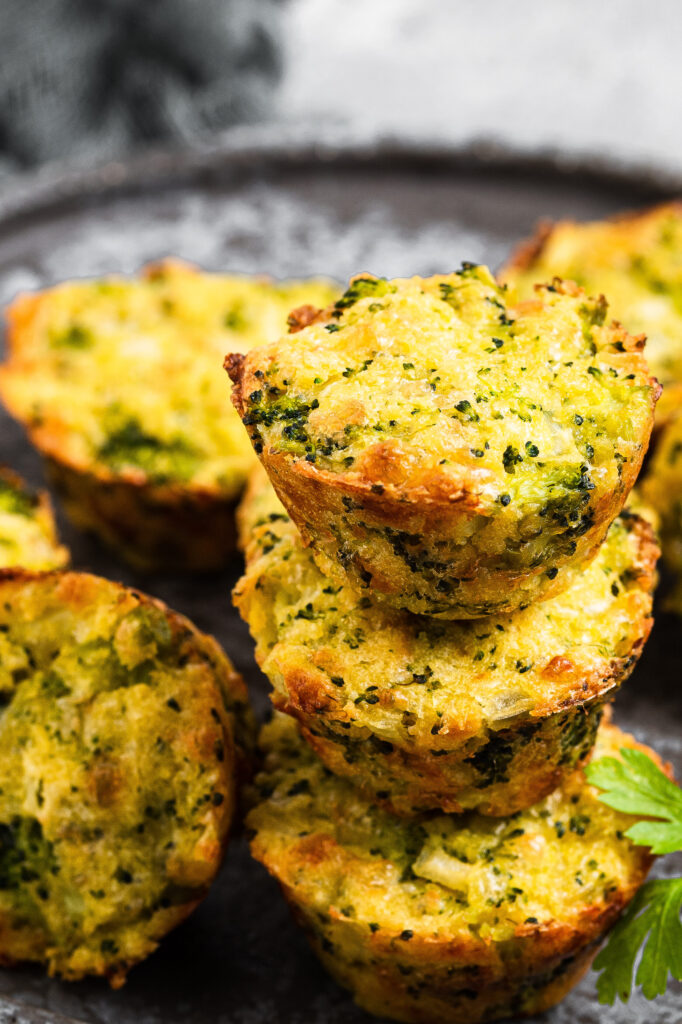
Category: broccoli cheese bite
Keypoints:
(662, 489)
(119, 384)
(450, 919)
(635, 261)
(28, 535)
(445, 452)
(425, 714)
(121, 730)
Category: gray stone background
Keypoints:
(95, 80)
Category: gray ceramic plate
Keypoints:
(240, 959)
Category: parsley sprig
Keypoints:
(637, 786)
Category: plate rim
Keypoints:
(41, 192)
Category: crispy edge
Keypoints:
(528, 251)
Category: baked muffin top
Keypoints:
(635, 260)
(122, 376)
(439, 386)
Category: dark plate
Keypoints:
(240, 959)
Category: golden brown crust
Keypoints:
(315, 501)
(527, 252)
(409, 781)
(233, 363)
(302, 317)
(386, 993)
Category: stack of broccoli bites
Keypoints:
(445, 592)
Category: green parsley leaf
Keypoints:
(652, 917)
(637, 786)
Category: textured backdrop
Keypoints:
(575, 74)
(93, 80)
